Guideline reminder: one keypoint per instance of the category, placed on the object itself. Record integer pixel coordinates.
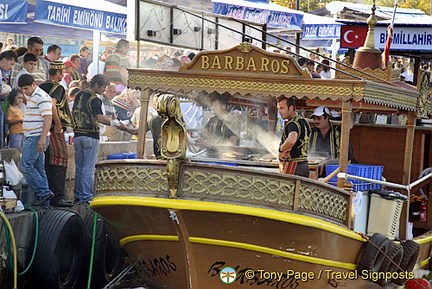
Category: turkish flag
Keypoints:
(353, 36)
(386, 52)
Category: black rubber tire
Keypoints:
(60, 249)
(371, 258)
(109, 256)
(410, 256)
(390, 264)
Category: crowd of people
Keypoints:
(42, 97)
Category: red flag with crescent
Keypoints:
(386, 52)
(353, 36)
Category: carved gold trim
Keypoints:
(263, 190)
(130, 178)
(330, 91)
(244, 47)
(387, 74)
(381, 94)
(238, 188)
(325, 203)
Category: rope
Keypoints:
(386, 256)
(120, 276)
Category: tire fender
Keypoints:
(391, 262)
(372, 258)
(409, 259)
(60, 249)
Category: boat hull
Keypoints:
(269, 229)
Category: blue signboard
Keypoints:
(78, 17)
(273, 18)
(12, 11)
(321, 31)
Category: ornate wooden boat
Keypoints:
(195, 225)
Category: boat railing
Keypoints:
(225, 184)
(416, 184)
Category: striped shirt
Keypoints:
(39, 104)
(38, 74)
(116, 66)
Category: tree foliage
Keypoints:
(310, 5)
(423, 5)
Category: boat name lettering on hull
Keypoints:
(258, 277)
(158, 266)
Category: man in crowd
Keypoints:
(53, 54)
(87, 112)
(83, 65)
(294, 143)
(29, 63)
(34, 46)
(8, 59)
(56, 157)
(75, 59)
(325, 136)
(117, 63)
(221, 129)
(36, 125)
(108, 108)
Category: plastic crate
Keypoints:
(366, 171)
(121, 156)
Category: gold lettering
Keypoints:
(275, 66)
(228, 62)
(264, 64)
(240, 63)
(216, 63)
(251, 64)
(205, 64)
(285, 66)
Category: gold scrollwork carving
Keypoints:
(173, 138)
(141, 179)
(326, 203)
(234, 187)
(265, 88)
(173, 176)
(244, 47)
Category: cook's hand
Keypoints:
(202, 143)
(284, 155)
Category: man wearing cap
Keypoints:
(68, 72)
(56, 156)
(325, 136)
(294, 143)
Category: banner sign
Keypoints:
(404, 38)
(274, 19)
(12, 11)
(78, 17)
(321, 31)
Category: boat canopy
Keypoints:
(250, 71)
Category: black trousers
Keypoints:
(56, 180)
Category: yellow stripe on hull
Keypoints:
(136, 238)
(243, 246)
(425, 240)
(271, 251)
(226, 208)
